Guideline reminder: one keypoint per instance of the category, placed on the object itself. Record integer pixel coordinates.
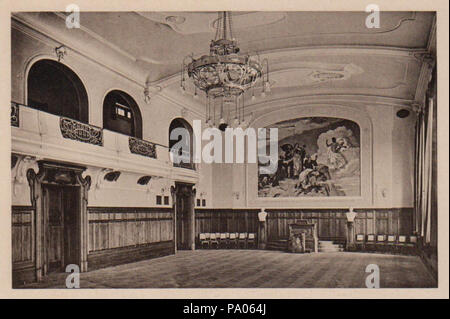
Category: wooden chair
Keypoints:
(360, 242)
(223, 240)
(380, 244)
(251, 240)
(370, 243)
(391, 245)
(203, 240)
(213, 241)
(242, 240)
(232, 240)
(411, 245)
(401, 244)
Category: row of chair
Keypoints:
(386, 243)
(227, 240)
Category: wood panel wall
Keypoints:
(22, 234)
(22, 241)
(119, 235)
(226, 220)
(117, 227)
(331, 223)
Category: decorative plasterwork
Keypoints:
(81, 132)
(150, 91)
(15, 115)
(426, 72)
(312, 73)
(141, 147)
(188, 23)
(60, 52)
(99, 179)
(43, 33)
(19, 171)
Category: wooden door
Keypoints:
(72, 236)
(54, 228)
(62, 235)
(182, 209)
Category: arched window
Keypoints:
(54, 88)
(187, 155)
(121, 114)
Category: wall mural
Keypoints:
(318, 156)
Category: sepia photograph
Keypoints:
(224, 149)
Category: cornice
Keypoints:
(48, 37)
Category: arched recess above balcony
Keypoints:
(121, 114)
(54, 88)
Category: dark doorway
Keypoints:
(184, 216)
(54, 88)
(61, 226)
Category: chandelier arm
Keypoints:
(229, 23)
(224, 25)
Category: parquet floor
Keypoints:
(254, 269)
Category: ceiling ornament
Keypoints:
(150, 91)
(224, 75)
(60, 52)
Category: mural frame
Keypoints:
(354, 114)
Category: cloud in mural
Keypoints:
(308, 165)
(350, 151)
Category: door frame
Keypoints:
(62, 174)
(188, 189)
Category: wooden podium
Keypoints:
(303, 237)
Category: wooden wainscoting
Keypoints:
(226, 220)
(331, 223)
(23, 244)
(125, 234)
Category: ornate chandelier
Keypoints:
(224, 75)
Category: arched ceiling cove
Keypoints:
(309, 53)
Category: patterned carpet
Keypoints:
(254, 269)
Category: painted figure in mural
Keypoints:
(321, 157)
(297, 160)
(299, 157)
(335, 158)
(314, 180)
(310, 161)
(287, 160)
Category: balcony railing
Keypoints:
(82, 132)
(141, 147)
(40, 131)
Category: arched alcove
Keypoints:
(121, 114)
(315, 128)
(53, 87)
(182, 123)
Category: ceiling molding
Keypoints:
(317, 51)
(181, 105)
(74, 48)
(354, 100)
(99, 38)
(412, 17)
